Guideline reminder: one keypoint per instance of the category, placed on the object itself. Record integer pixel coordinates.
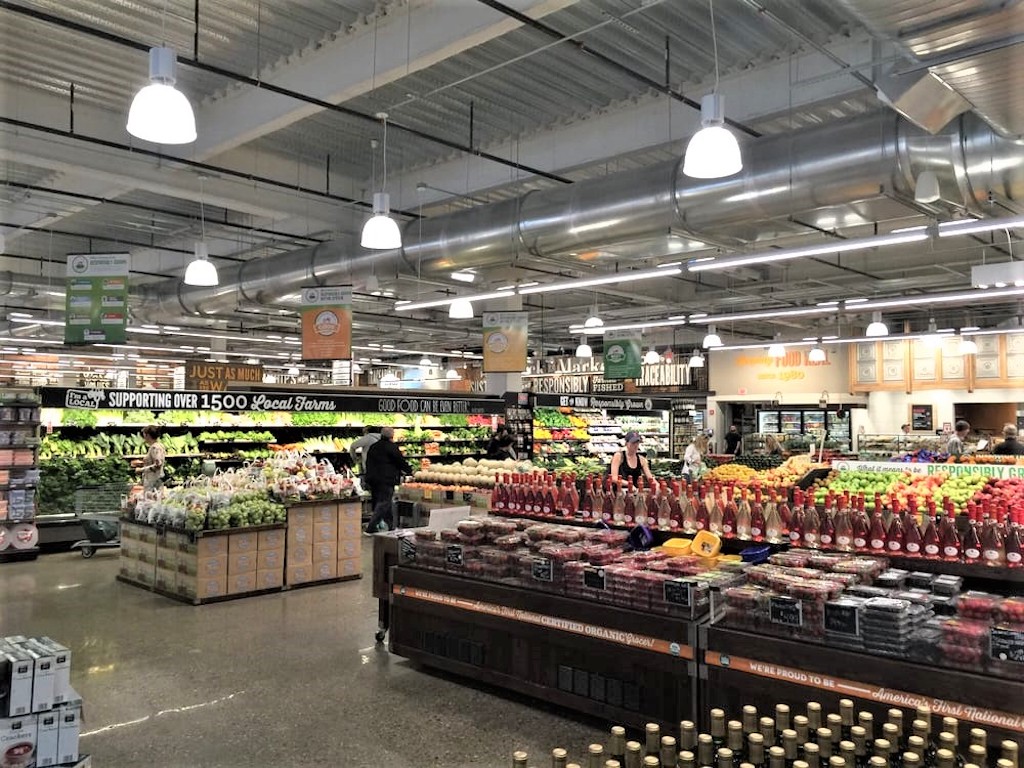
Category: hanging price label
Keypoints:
(679, 592)
(454, 555)
(787, 611)
(593, 578)
(543, 569)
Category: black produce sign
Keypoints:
(296, 402)
(786, 610)
(593, 577)
(454, 555)
(624, 403)
(679, 592)
(543, 569)
(842, 618)
(1007, 644)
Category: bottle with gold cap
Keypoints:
(944, 758)
(916, 745)
(668, 751)
(790, 747)
(652, 743)
(860, 746)
(734, 739)
(848, 751)
(650, 761)
(924, 715)
(895, 758)
(824, 739)
(782, 721)
(767, 727)
(575, 765)
(724, 756)
(877, 762)
(705, 750)
(802, 728)
(776, 757)
(718, 728)
(686, 759)
(846, 721)
(612, 764)
(895, 716)
(634, 755)
(812, 755)
(755, 750)
(520, 759)
(687, 736)
(750, 721)
(1010, 751)
(947, 741)
(1003, 762)
(814, 716)
(979, 736)
(835, 724)
(892, 734)
(559, 758)
(800, 764)
(616, 745)
(911, 760)
(882, 749)
(952, 725)
(978, 755)
(596, 757)
(836, 761)
(866, 721)
(921, 731)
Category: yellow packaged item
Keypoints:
(677, 547)
(706, 544)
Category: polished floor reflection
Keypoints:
(292, 679)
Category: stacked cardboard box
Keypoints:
(39, 711)
(323, 542)
(350, 531)
(270, 559)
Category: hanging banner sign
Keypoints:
(505, 340)
(215, 377)
(997, 471)
(327, 322)
(96, 308)
(234, 401)
(622, 355)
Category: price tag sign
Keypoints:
(1007, 644)
(787, 611)
(467, 496)
(593, 577)
(679, 592)
(543, 569)
(454, 555)
(428, 494)
(842, 618)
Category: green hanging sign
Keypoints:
(97, 298)
(622, 358)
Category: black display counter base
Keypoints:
(739, 668)
(320, 582)
(197, 601)
(12, 555)
(620, 665)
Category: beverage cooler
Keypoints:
(806, 422)
(839, 430)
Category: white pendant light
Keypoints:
(584, 350)
(293, 371)
(713, 151)
(594, 320)
(817, 354)
(926, 190)
(460, 309)
(201, 271)
(652, 357)
(711, 339)
(775, 349)
(452, 375)
(696, 359)
(876, 328)
(160, 112)
(425, 362)
(968, 346)
(380, 232)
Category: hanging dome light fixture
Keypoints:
(380, 232)
(160, 113)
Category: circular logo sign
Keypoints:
(615, 354)
(497, 342)
(310, 295)
(79, 265)
(326, 323)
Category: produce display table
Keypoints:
(621, 665)
(739, 668)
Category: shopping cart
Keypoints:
(98, 509)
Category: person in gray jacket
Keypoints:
(357, 451)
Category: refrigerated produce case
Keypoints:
(768, 423)
(812, 422)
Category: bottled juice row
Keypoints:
(781, 739)
(993, 537)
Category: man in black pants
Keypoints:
(385, 466)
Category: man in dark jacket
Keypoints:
(385, 466)
(1010, 445)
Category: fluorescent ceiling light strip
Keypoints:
(598, 330)
(972, 226)
(622, 277)
(981, 294)
(408, 306)
(762, 315)
(28, 321)
(785, 254)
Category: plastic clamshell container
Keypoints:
(756, 554)
(677, 547)
(1010, 611)
(977, 605)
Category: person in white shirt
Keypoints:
(694, 456)
(360, 447)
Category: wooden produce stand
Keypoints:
(739, 668)
(621, 665)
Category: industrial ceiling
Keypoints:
(510, 125)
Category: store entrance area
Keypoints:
(287, 679)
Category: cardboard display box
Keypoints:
(274, 539)
(351, 566)
(325, 552)
(18, 739)
(270, 559)
(239, 543)
(67, 735)
(201, 588)
(47, 738)
(272, 578)
(242, 582)
(242, 562)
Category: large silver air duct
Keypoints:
(832, 164)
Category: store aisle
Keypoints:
(291, 679)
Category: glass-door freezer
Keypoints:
(839, 430)
(791, 422)
(768, 422)
(814, 421)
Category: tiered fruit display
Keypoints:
(901, 487)
(854, 481)
(470, 474)
(732, 473)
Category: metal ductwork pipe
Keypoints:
(827, 165)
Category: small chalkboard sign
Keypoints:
(679, 592)
(543, 569)
(842, 619)
(921, 418)
(1007, 644)
(593, 577)
(786, 610)
(454, 555)
(467, 496)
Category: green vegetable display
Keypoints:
(312, 419)
(236, 436)
(60, 477)
(75, 417)
(550, 417)
(112, 444)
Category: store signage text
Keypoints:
(626, 404)
(997, 471)
(786, 368)
(856, 689)
(214, 377)
(564, 375)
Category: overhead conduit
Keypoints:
(827, 165)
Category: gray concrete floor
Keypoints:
(290, 679)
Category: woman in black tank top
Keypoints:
(628, 464)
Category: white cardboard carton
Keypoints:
(67, 745)
(61, 670)
(19, 699)
(18, 740)
(42, 678)
(48, 728)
